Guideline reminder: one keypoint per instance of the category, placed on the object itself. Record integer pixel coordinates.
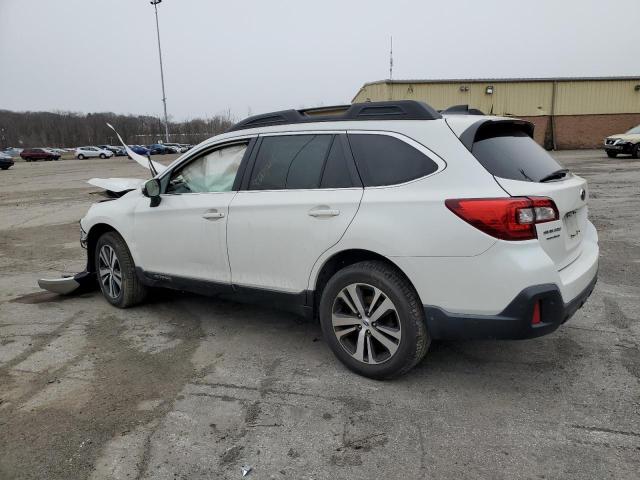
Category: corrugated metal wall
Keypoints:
(520, 98)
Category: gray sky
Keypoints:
(101, 55)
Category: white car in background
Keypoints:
(391, 223)
(92, 152)
(175, 147)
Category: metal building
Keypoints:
(567, 112)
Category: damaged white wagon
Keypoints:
(390, 222)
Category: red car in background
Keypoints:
(33, 154)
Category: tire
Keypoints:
(635, 151)
(405, 341)
(131, 291)
(103, 156)
(5, 168)
(611, 154)
(81, 157)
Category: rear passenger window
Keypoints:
(336, 171)
(291, 162)
(386, 160)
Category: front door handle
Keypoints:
(325, 212)
(213, 215)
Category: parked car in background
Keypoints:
(34, 154)
(187, 146)
(117, 151)
(61, 151)
(140, 150)
(12, 151)
(623, 143)
(158, 149)
(176, 147)
(92, 152)
(5, 161)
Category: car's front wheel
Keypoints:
(373, 320)
(116, 272)
(635, 152)
(103, 156)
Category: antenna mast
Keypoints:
(391, 60)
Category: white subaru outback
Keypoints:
(390, 222)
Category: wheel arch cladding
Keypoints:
(94, 234)
(343, 259)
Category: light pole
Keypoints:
(164, 96)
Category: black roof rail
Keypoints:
(461, 110)
(392, 110)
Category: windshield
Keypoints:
(634, 130)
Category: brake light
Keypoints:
(511, 218)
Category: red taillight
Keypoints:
(511, 218)
(535, 317)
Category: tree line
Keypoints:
(72, 129)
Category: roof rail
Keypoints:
(461, 110)
(392, 110)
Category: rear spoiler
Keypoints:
(484, 128)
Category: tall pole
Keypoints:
(391, 60)
(164, 96)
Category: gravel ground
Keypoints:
(192, 387)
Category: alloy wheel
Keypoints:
(109, 271)
(366, 323)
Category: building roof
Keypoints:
(504, 80)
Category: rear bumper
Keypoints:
(514, 322)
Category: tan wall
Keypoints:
(521, 99)
(602, 97)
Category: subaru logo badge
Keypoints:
(583, 194)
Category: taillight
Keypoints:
(511, 218)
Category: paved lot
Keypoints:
(191, 387)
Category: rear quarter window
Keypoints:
(386, 160)
(508, 152)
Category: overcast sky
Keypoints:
(259, 55)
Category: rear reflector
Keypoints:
(535, 318)
(511, 218)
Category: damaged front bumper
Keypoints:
(78, 283)
(68, 284)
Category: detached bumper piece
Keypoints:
(518, 321)
(79, 283)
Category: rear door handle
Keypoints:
(213, 215)
(325, 212)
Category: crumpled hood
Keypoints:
(116, 185)
(630, 137)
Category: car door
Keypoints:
(299, 193)
(185, 235)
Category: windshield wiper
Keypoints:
(557, 175)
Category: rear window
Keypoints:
(386, 160)
(507, 152)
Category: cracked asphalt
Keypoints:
(192, 387)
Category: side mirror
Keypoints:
(151, 189)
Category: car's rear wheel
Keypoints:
(116, 272)
(611, 154)
(373, 320)
(635, 152)
(80, 157)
